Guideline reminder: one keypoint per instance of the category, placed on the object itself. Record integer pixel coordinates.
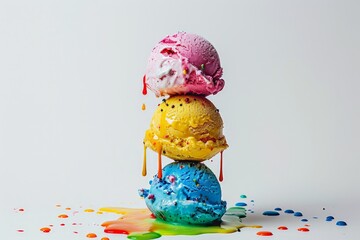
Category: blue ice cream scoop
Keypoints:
(188, 193)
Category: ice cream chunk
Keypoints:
(188, 193)
(186, 127)
(184, 63)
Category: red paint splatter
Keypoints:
(144, 91)
(303, 230)
(20, 230)
(282, 228)
(264, 233)
(116, 231)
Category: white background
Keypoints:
(71, 124)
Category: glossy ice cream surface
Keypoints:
(188, 193)
(184, 63)
(186, 128)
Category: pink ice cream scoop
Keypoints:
(184, 63)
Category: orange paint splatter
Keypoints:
(68, 208)
(105, 238)
(91, 235)
(45, 229)
(63, 216)
(143, 107)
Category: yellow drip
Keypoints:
(144, 172)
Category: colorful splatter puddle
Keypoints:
(141, 224)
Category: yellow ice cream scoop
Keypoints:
(186, 127)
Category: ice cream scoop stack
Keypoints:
(186, 127)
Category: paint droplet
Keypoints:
(304, 220)
(341, 223)
(91, 235)
(243, 196)
(68, 208)
(57, 205)
(264, 233)
(63, 216)
(303, 230)
(99, 212)
(89, 210)
(282, 228)
(144, 91)
(20, 230)
(271, 213)
(105, 238)
(221, 175)
(241, 204)
(21, 209)
(290, 211)
(298, 214)
(329, 218)
(143, 107)
(62, 224)
(278, 209)
(45, 229)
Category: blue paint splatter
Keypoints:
(329, 218)
(341, 223)
(278, 209)
(241, 204)
(298, 214)
(289, 211)
(271, 213)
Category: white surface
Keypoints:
(71, 124)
